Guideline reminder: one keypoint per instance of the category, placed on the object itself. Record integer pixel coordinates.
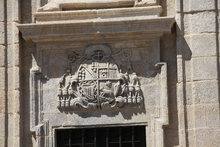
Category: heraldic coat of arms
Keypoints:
(98, 83)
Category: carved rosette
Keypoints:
(98, 83)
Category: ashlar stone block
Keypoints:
(202, 22)
(190, 119)
(2, 101)
(185, 96)
(2, 78)
(204, 68)
(200, 116)
(184, 70)
(207, 137)
(195, 5)
(13, 10)
(207, 116)
(2, 33)
(13, 55)
(12, 33)
(205, 91)
(14, 78)
(200, 5)
(212, 115)
(2, 55)
(2, 141)
(2, 11)
(202, 44)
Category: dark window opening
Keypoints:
(133, 136)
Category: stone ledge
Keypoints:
(89, 29)
(59, 16)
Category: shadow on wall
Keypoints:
(172, 46)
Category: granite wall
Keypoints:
(191, 51)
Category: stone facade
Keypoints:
(74, 64)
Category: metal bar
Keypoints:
(120, 137)
(107, 132)
(69, 135)
(83, 138)
(132, 139)
(95, 137)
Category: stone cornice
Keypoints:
(70, 30)
(58, 16)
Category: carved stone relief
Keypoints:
(98, 83)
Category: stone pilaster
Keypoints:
(9, 69)
(3, 77)
(198, 73)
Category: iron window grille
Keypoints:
(132, 136)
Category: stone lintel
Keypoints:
(84, 29)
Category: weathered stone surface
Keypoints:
(14, 80)
(194, 23)
(192, 72)
(2, 141)
(212, 115)
(184, 70)
(2, 55)
(13, 9)
(12, 33)
(200, 116)
(2, 10)
(13, 52)
(205, 92)
(13, 101)
(202, 44)
(14, 125)
(2, 33)
(207, 137)
(2, 128)
(204, 68)
(190, 117)
(195, 5)
(185, 98)
(2, 78)
(2, 101)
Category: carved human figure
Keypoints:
(72, 91)
(107, 91)
(107, 95)
(136, 83)
(121, 87)
(65, 83)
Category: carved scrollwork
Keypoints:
(98, 83)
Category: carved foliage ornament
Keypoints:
(98, 83)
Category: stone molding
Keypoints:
(150, 27)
